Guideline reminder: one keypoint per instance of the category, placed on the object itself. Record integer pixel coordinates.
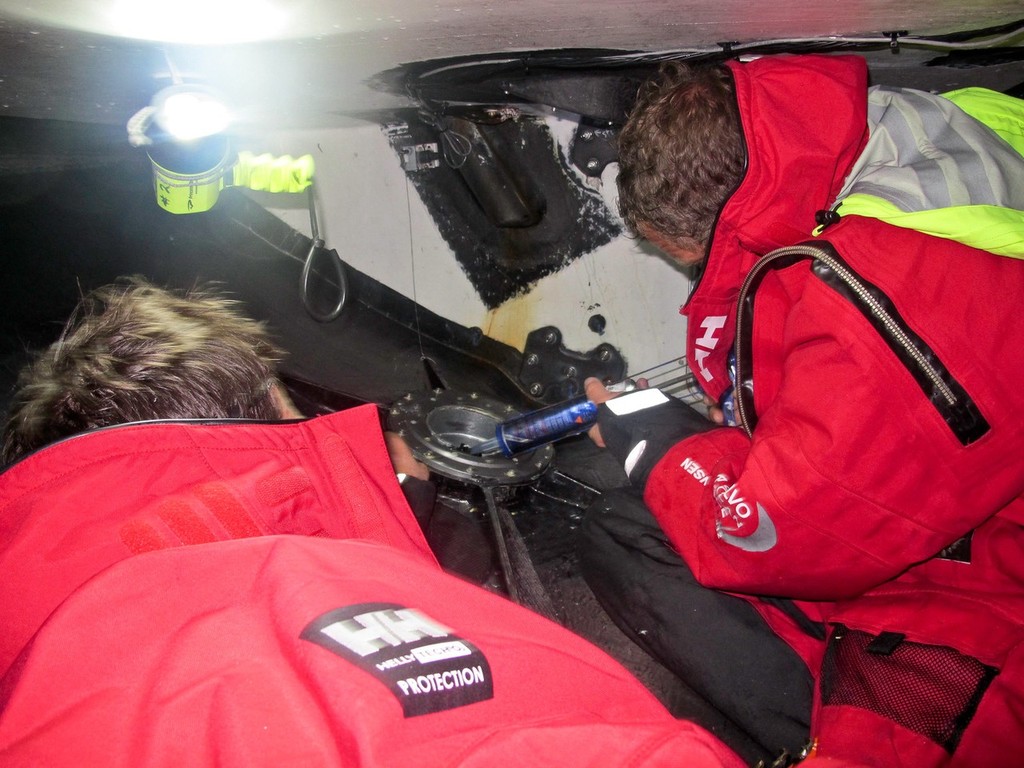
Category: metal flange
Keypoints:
(442, 425)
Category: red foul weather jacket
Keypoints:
(152, 614)
(292, 650)
(878, 474)
(72, 509)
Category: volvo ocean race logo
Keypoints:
(741, 522)
(424, 664)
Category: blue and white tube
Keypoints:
(526, 432)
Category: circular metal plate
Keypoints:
(441, 426)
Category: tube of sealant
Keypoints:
(546, 425)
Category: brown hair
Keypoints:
(134, 352)
(681, 152)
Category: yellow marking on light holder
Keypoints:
(180, 189)
(267, 173)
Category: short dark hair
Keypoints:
(681, 152)
(133, 352)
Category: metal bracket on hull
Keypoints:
(551, 373)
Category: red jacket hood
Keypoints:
(804, 122)
(73, 509)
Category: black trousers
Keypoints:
(717, 644)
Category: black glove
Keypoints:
(659, 427)
(420, 495)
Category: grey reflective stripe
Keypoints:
(925, 153)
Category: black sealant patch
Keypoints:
(423, 663)
(504, 261)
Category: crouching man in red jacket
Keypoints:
(845, 558)
(258, 592)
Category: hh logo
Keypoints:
(373, 631)
(705, 345)
(424, 664)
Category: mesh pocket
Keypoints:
(929, 689)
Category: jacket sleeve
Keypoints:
(850, 478)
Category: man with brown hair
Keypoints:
(134, 352)
(680, 155)
(841, 551)
(154, 362)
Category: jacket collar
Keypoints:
(804, 123)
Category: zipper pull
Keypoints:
(826, 219)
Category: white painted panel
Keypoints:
(372, 215)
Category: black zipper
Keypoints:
(945, 393)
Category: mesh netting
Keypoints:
(929, 689)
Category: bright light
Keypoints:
(189, 112)
(198, 22)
